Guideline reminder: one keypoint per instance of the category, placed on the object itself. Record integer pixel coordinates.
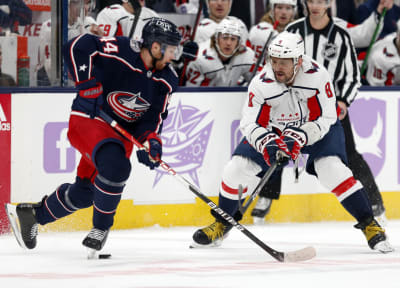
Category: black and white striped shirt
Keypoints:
(332, 47)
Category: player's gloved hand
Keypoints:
(270, 145)
(153, 145)
(295, 139)
(190, 49)
(90, 97)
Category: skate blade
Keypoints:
(92, 253)
(258, 221)
(11, 211)
(214, 244)
(384, 247)
(300, 255)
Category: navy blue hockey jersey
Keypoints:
(133, 95)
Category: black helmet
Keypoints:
(162, 31)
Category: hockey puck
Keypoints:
(104, 256)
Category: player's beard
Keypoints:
(283, 78)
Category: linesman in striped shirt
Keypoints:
(331, 45)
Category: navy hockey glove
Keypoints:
(190, 49)
(295, 139)
(90, 97)
(270, 145)
(153, 145)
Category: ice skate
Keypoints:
(210, 236)
(23, 223)
(261, 209)
(95, 241)
(375, 235)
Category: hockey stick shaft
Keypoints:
(280, 256)
(374, 36)
(261, 57)
(196, 23)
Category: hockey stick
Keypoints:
(196, 23)
(280, 160)
(378, 26)
(293, 256)
(261, 57)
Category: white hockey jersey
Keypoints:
(207, 26)
(361, 34)
(259, 34)
(309, 104)
(384, 62)
(208, 69)
(114, 20)
(45, 38)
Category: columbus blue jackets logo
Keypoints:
(185, 136)
(128, 106)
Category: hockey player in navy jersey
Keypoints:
(133, 87)
(291, 107)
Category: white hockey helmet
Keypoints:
(288, 2)
(286, 45)
(231, 27)
(272, 4)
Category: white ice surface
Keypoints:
(159, 257)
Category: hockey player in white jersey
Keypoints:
(119, 19)
(218, 10)
(280, 13)
(222, 61)
(79, 22)
(291, 108)
(384, 61)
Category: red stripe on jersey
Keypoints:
(314, 107)
(263, 117)
(230, 190)
(119, 31)
(389, 81)
(205, 82)
(344, 186)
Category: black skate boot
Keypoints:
(211, 235)
(95, 241)
(375, 235)
(23, 222)
(261, 209)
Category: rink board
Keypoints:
(199, 137)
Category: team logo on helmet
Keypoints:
(128, 106)
(329, 51)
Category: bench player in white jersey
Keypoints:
(76, 26)
(222, 61)
(280, 13)
(291, 108)
(119, 19)
(218, 10)
(384, 61)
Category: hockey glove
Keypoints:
(295, 139)
(152, 152)
(270, 145)
(90, 97)
(190, 49)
